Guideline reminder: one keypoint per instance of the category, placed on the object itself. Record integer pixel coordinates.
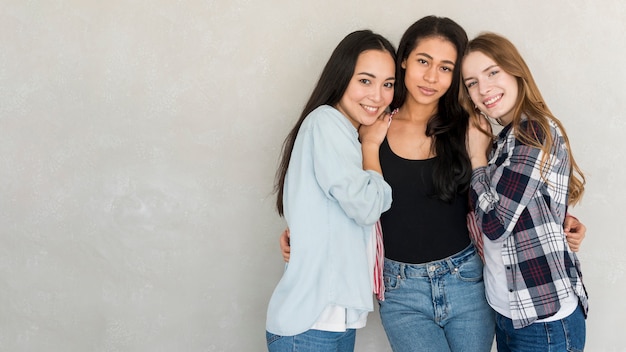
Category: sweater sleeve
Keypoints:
(337, 159)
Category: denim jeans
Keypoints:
(567, 334)
(312, 341)
(438, 306)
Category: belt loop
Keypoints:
(402, 271)
(451, 265)
(461, 257)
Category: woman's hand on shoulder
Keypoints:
(375, 133)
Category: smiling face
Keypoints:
(370, 89)
(429, 70)
(493, 90)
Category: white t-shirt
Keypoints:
(496, 288)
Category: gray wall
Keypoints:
(139, 139)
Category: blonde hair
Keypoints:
(529, 103)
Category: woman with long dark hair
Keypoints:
(331, 192)
(434, 297)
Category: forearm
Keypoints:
(478, 161)
(371, 160)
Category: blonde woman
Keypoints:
(520, 193)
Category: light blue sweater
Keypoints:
(330, 205)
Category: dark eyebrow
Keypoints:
(431, 58)
(373, 76)
(485, 70)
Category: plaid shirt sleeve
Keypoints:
(518, 201)
(502, 191)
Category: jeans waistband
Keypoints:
(438, 267)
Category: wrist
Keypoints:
(370, 146)
(371, 159)
(478, 162)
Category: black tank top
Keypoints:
(419, 227)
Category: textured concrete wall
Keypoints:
(139, 139)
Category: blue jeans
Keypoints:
(312, 341)
(567, 334)
(438, 306)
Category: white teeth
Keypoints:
(493, 100)
(370, 108)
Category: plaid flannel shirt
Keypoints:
(513, 202)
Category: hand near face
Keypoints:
(376, 132)
(479, 139)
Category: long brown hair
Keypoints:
(529, 103)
